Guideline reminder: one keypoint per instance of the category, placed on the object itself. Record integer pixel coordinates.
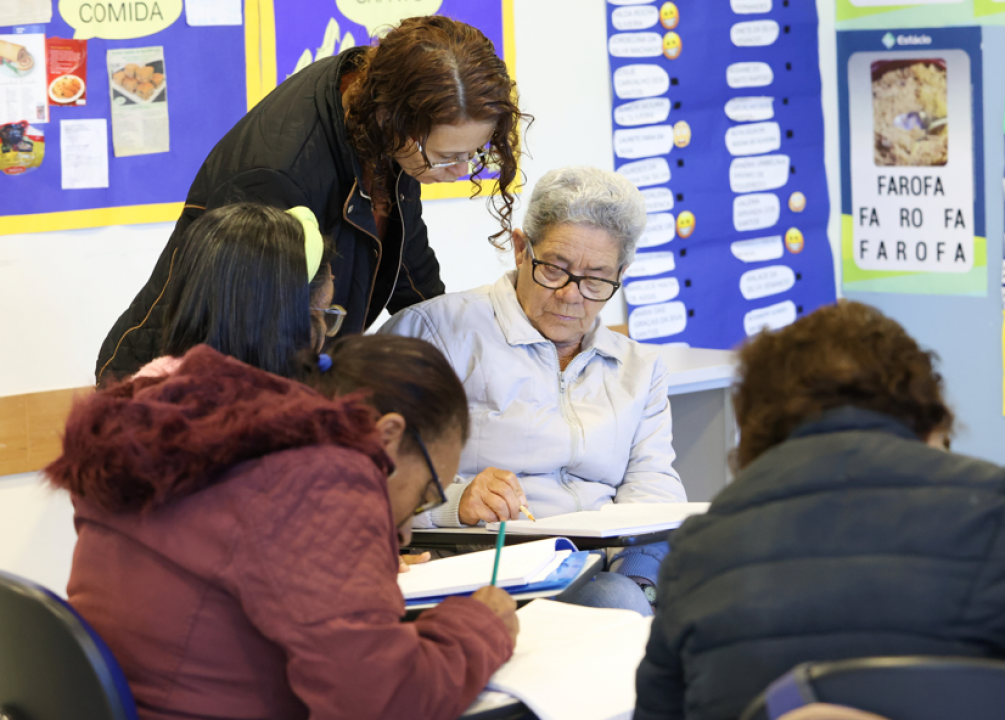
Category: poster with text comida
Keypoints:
(912, 198)
(717, 119)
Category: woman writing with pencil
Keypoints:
(238, 537)
(566, 414)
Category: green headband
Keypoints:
(314, 246)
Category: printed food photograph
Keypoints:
(910, 112)
(66, 88)
(16, 58)
(135, 83)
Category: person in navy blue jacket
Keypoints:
(849, 531)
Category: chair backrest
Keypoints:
(901, 688)
(53, 666)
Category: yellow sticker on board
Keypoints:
(119, 19)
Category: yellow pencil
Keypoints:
(525, 511)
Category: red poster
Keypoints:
(67, 68)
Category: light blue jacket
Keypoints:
(599, 432)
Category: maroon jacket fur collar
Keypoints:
(145, 443)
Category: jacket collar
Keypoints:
(849, 417)
(517, 330)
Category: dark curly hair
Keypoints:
(432, 71)
(843, 354)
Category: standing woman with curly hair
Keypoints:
(352, 138)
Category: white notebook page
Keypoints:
(558, 644)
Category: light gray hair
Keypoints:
(592, 197)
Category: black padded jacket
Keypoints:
(850, 539)
(293, 149)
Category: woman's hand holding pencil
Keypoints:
(493, 495)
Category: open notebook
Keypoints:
(560, 647)
(611, 520)
(519, 565)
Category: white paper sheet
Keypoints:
(556, 642)
(25, 12)
(519, 565)
(84, 145)
(23, 89)
(212, 12)
(610, 521)
(139, 104)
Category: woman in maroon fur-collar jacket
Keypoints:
(237, 549)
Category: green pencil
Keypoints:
(500, 538)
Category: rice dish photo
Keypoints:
(910, 112)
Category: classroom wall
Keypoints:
(60, 292)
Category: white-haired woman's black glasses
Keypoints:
(555, 278)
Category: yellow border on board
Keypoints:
(158, 212)
(270, 78)
(97, 217)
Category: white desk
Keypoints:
(704, 431)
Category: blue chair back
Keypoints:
(53, 666)
(900, 688)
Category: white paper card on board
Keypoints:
(25, 12)
(754, 33)
(639, 17)
(750, 109)
(653, 321)
(753, 139)
(648, 292)
(772, 317)
(644, 44)
(640, 81)
(84, 145)
(658, 199)
(660, 228)
(765, 281)
(750, 7)
(749, 74)
(654, 171)
(756, 211)
(643, 142)
(642, 112)
(754, 174)
(651, 263)
(201, 13)
(758, 249)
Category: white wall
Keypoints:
(60, 292)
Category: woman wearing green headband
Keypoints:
(250, 281)
(352, 138)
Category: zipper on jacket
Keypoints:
(569, 416)
(380, 246)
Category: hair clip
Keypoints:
(324, 362)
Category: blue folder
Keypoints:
(561, 578)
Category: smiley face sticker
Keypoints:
(681, 134)
(669, 16)
(671, 45)
(794, 240)
(685, 224)
(797, 202)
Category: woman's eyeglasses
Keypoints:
(555, 278)
(334, 317)
(434, 487)
(475, 161)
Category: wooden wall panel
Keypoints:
(31, 428)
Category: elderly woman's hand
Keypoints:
(493, 495)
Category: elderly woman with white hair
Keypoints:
(566, 415)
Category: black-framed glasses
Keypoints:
(441, 497)
(475, 161)
(334, 316)
(555, 278)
